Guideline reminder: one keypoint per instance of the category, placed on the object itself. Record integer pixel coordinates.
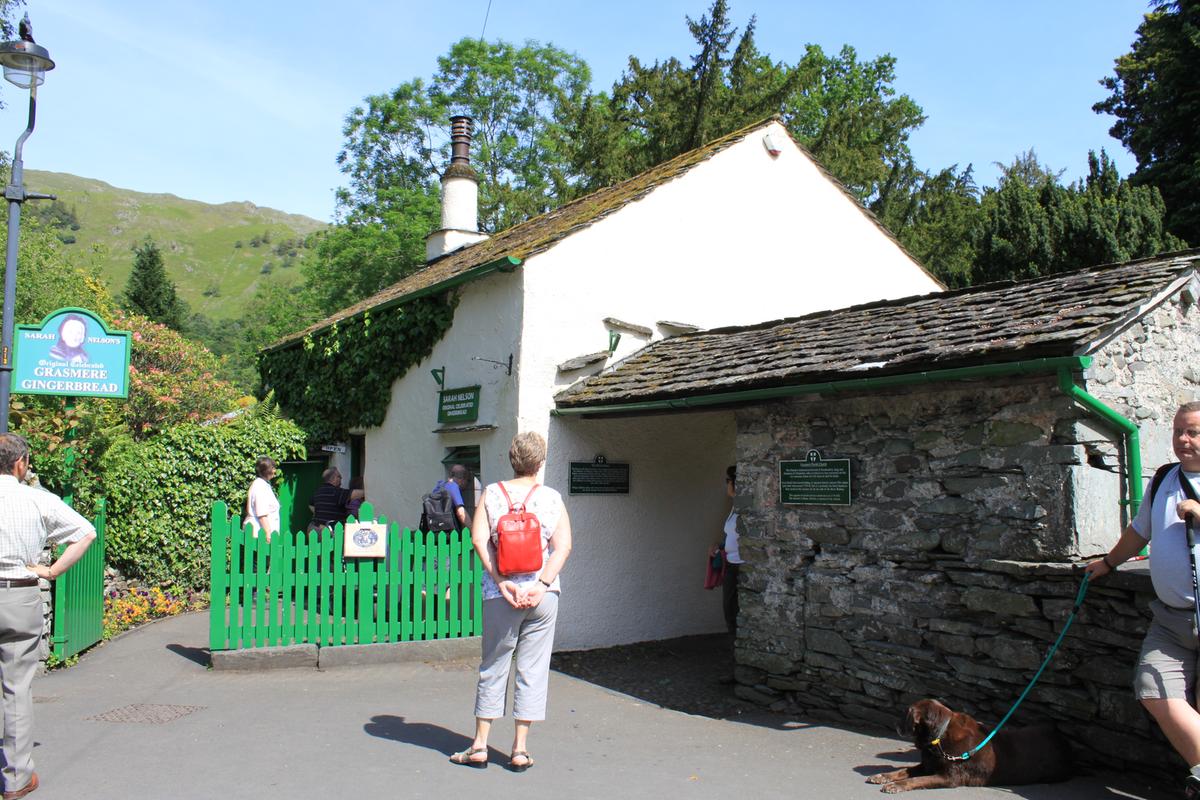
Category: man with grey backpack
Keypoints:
(443, 508)
(1165, 679)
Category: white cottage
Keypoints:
(744, 229)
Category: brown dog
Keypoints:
(1014, 756)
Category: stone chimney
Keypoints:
(460, 197)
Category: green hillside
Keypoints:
(216, 254)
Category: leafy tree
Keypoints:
(936, 217)
(397, 143)
(1156, 100)
(172, 379)
(149, 292)
(844, 110)
(1033, 225)
(48, 278)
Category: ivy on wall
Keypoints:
(341, 377)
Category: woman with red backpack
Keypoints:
(522, 535)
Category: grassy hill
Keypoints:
(216, 254)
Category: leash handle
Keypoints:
(1078, 602)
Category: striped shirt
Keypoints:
(29, 520)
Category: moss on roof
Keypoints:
(537, 234)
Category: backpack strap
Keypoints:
(507, 499)
(1159, 476)
(504, 492)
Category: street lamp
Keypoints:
(25, 66)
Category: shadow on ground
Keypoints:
(423, 734)
(692, 674)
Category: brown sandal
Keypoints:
(464, 758)
(520, 767)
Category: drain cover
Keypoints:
(146, 713)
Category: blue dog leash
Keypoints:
(1075, 610)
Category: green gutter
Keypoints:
(503, 264)
(1064, 367)
(1033, 366)
(1126, 429)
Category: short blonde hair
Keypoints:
(527, 453)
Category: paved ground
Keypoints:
(143, 717)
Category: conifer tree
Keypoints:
(149, 292)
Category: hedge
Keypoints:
(161, 490)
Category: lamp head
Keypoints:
(25, 63)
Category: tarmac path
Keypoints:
(143, 716)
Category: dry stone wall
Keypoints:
(950, 573)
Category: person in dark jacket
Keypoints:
(330, 502)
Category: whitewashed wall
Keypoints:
(404, 456)
(741, 238)
(636, 571)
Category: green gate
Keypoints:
(300, 588)
(79, 599)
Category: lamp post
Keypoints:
(25, 66)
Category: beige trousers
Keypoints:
(20, 632)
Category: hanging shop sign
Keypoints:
(72, 353)
(598, 477)
(815, 481)
(458, 405)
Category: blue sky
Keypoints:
(222, 101)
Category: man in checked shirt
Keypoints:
(29, 520)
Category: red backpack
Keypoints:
(518, 537)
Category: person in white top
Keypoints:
(262, 506)
(733, 558)
(519, 610)
(29, 520)
(1165, 678)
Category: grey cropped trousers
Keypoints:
(529, 631)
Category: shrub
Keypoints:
(161, 490)
(171, 379)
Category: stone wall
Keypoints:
(949, 574)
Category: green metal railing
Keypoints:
(79, 599)
(300, 588)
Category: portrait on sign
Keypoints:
(72, 336)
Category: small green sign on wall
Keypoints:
(815, 481)
(71, 353)
(458, 405)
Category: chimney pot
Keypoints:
(460, 140)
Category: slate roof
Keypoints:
(1067, 314)
(537, 234)
(540, 233)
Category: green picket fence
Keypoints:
(300, 589)
(79, 599)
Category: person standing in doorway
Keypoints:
(519, 610)
(455, 517)
(330, 502)
(30, 519)
(1165, 677)
(733, 556)
(262, 506)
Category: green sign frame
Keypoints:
(598, 477)
(72, 353)
(458, 405)
(815, 481)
